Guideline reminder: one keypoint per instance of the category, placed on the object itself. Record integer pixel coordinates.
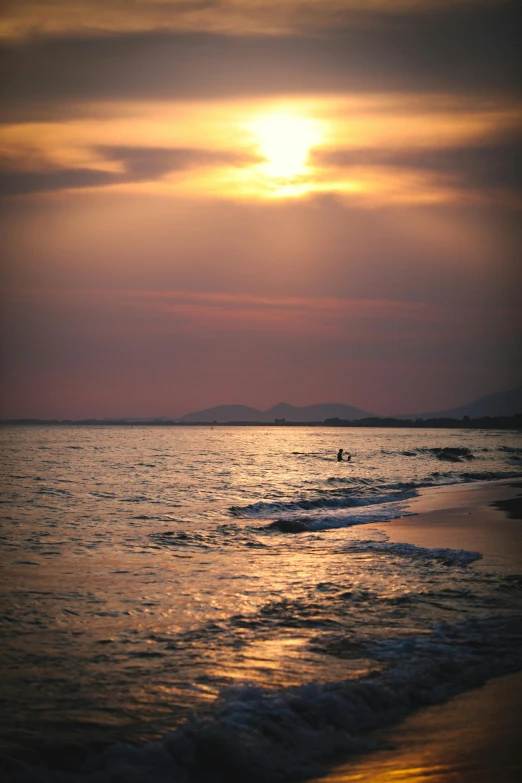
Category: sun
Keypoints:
(285, 141)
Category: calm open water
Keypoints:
(224, 600)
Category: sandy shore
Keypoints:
(482, 517)
(477, 736)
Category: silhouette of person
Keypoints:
(340, 456)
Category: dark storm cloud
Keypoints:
(475, 48)
(496, 165)
(139, 164)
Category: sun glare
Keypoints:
(285, 142)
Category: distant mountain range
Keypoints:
(507, 403)
(224, 413)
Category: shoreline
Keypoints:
(502, 423)
(474, 737)
(476, 516)
(446, 743)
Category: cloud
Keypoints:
(17, 183)
(178, 314)
(347, 318)
(479, 44)
(486, 166)
(152, 162)
(397, 147)
(138, 164)
(34, 18)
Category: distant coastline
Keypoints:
(501, 410)
(483, 422)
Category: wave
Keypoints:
(260, 735)
(264, 509)
(372, 514)
(449, 557)
(438, 478)
(53, 491)
(356, 482)
(351, 496)
(456, 451)
(447, 453)
(220, 536)
(478, 475)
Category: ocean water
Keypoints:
(194, 604)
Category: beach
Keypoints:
(483, 516)
(475, 737)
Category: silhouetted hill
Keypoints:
(507, 403)
(224, 413)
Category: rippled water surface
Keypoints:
(147, 570)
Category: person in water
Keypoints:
(340, 456)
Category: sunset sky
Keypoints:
(250, 201)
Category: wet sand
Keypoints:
(477, 736)
(474, 738)
(479, 517)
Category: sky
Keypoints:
(208, 202)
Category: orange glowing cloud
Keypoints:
(372, 149)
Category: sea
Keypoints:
(223, 603)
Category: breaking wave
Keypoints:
(264, 510)
(314, 524)
(349, 494)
